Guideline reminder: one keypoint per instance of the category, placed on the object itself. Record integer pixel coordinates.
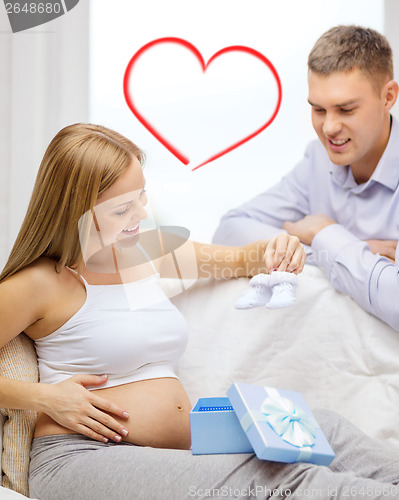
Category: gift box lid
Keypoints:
(279, 424)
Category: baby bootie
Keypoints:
(257, 295)
(275, 290)
(283, 289)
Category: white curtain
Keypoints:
(44, 74)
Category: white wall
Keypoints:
(43, 87)
(5, 136)
(283, 31)
(391, 31)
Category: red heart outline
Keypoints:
(195, 51)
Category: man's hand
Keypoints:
(307, 228)
(386, 248)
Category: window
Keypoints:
(282, 31)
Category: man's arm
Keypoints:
(372, 280)
(387, 248)
(264, 215)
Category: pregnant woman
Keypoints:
(83, 281)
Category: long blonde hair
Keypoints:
(81, 162)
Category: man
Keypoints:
(342, 199)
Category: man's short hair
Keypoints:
(344, 48)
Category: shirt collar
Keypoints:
(386, 172)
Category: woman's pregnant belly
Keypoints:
(159, 413)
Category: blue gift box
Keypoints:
(279, 425)
(215, 428)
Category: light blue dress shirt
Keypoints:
(361, 211)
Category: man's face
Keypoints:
(350, 119)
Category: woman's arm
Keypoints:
(201, 260)
(22, 303)
(282, 253)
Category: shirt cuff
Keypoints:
(327, 244)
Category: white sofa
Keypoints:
(325, 346)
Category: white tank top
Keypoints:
(130, 332)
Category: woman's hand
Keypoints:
(282, 253)
(285, 253)
(73, 406)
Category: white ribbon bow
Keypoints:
(288, 421)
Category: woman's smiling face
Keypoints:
(120, 209)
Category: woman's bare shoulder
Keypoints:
(40, 274)
(24, 297)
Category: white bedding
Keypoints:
(325, 346)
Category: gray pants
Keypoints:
(73, 467)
